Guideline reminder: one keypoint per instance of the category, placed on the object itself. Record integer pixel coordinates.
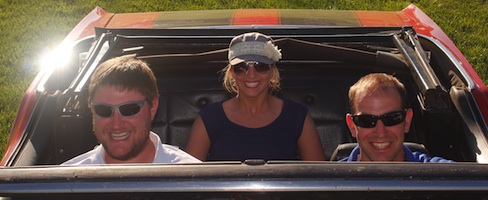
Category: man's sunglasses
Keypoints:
(243, 67)
(126, 109)
(388, 119)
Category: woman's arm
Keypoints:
(198, 143)
(309, 143)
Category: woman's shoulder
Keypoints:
(292, 104)
(213, 107)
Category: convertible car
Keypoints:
(324, 53)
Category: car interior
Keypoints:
(316, 71)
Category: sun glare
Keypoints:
(51, 60)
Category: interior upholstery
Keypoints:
(322, 90)
(193, 82)
(184, 90)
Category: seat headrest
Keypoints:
(343, 150)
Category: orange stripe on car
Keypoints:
(256, 17)
(375, 18)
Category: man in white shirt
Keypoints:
(123, 97)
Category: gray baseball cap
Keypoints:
(253, 46)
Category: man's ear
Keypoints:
(350, 124)
(154, 108)
(408, 120)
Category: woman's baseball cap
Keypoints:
(253, 46)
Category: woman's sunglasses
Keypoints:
(243, 67)
(388, 119)
(126, 109)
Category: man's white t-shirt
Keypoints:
(164, 154)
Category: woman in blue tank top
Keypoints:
(254, 124)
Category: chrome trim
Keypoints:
(246, 186)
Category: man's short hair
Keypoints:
(371, 83)
(125, 73)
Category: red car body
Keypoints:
(465, 109)
(410, 16)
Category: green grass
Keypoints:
(29, 27)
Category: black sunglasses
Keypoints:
(388, 119)
(243, 67)
(126, 109)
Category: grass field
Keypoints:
(30, 27)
